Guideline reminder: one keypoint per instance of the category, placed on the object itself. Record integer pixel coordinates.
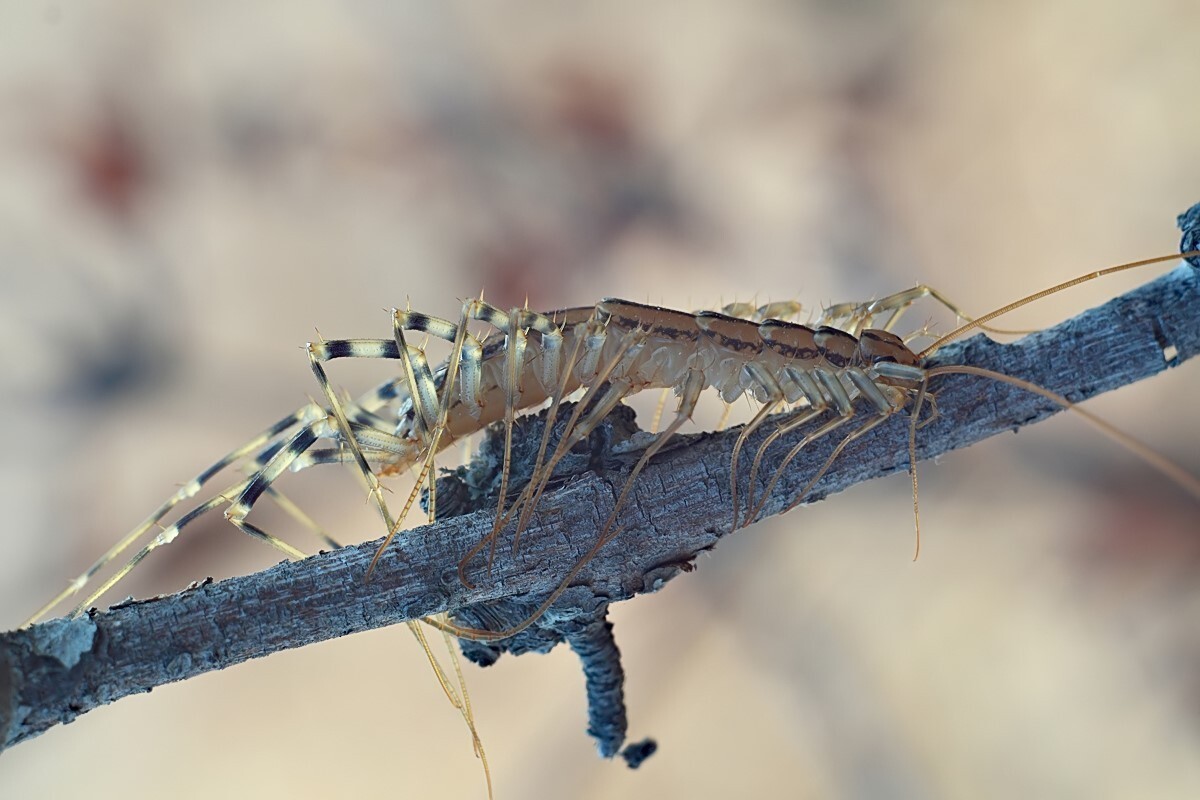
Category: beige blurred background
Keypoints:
(188, 189)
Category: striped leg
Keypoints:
(303, 416)
(318, 354)
(465, 365)
(422, 398)
(274, 460)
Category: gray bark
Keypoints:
(58, 670)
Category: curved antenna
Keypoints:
(1164, 465)
(981, 321)
(1172, 471)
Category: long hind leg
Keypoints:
(303, 416)
(422, 396)
(241, 497)
(323, 351)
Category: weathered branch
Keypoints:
(55, 671)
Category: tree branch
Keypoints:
(55, 671)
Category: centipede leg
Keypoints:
(692, 386)
(591, 337)
(515, 355)
(164, 537)
(854, 317)
(423, 394)
(862, 430)
(429, 412)
(294, 511)
(577, 430)
(303, 416)
(823, 430)
(775, 398)
(551, 419)
(318, 353)
(780, 431)
(247, 492)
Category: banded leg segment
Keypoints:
(240, 498)
(303, 416)
(318, 354)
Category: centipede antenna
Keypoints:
(922, 393)
(978, 323)
(1175, 473)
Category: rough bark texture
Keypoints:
(55, 671)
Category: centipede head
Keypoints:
(890, 358)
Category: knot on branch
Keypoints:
(1189, 223)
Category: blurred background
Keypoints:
(187, 190)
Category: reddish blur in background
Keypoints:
(187, 190)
